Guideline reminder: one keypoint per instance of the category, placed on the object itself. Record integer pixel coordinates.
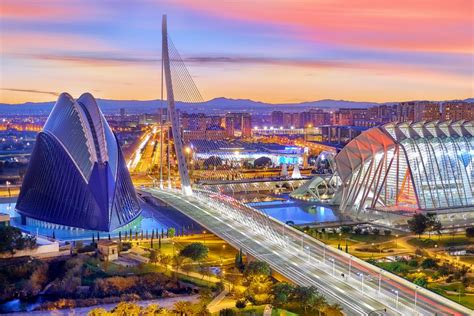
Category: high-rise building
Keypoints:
(277, 118)
(319, 117)
(426, 111)
(77, 175)
(405, 111)
(458, 110)
(305, 119)
(295, 120)
(246, 125)
(229, 126)
(287, 120)
(347, 116)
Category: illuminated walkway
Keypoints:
(359, 287)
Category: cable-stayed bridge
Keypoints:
(359, 287)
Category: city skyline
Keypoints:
(273, 51)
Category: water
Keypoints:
(152, 217)
(297, 211)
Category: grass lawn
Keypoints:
(247, 311)
(282, 312)
(443, 241)
(466, 300)
(218, 249)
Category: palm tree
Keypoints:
(333, 310)
(182, 308)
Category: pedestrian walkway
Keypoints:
(213, 306)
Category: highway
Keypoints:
(359, 287)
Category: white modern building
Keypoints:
(403, 168)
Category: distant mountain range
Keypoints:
(213, 106)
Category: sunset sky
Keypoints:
(276, 51)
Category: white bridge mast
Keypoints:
(178, 144)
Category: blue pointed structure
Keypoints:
(77, 175)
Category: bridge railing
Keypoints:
(368, 274)
(374, 273)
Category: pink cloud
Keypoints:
(46, 10)
(402, 25)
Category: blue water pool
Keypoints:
(299, 212)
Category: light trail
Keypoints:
(286, 252)
(132, 164)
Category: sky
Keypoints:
(278, 51)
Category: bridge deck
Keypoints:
(307, 262)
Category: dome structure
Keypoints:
(77, 175)
(409, 167)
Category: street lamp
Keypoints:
(350, 264)
(204, 236)
(396, 241)
(361, 282)
(333, 267)
(396, 292)
(416, 296)
(380, 280)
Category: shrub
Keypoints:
(470, 232)
(357, 230)
(376, 231)
(240, 304)
(429, 263)
(387, 232)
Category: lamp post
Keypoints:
(324, 253)
(333, 267)
(361, 282)
(350, 264)
(416, 296)
(396, 241)
(380, 280)
(204, 236)
(396, 292)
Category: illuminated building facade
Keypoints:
(409, 167)
(77, 175)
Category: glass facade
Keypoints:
(408, 167)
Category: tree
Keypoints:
(470, 232)
(346, 229)
(154, 256)
(357, 230)
(195, 251)
(171, 232)
(432, 223)
(421, 281)
(309, 298)
(257, 270)
(387, 232)
(262, 162)
(239, 261)
(333, 310)
(429, 263)
(12, 239)
(281, 293)
(240, 304)
(212, 161)
(178, 262)
(418, 224)
(183, 308)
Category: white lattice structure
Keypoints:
(409, 167)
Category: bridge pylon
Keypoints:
(173, 115)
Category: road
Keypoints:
(359, 287)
